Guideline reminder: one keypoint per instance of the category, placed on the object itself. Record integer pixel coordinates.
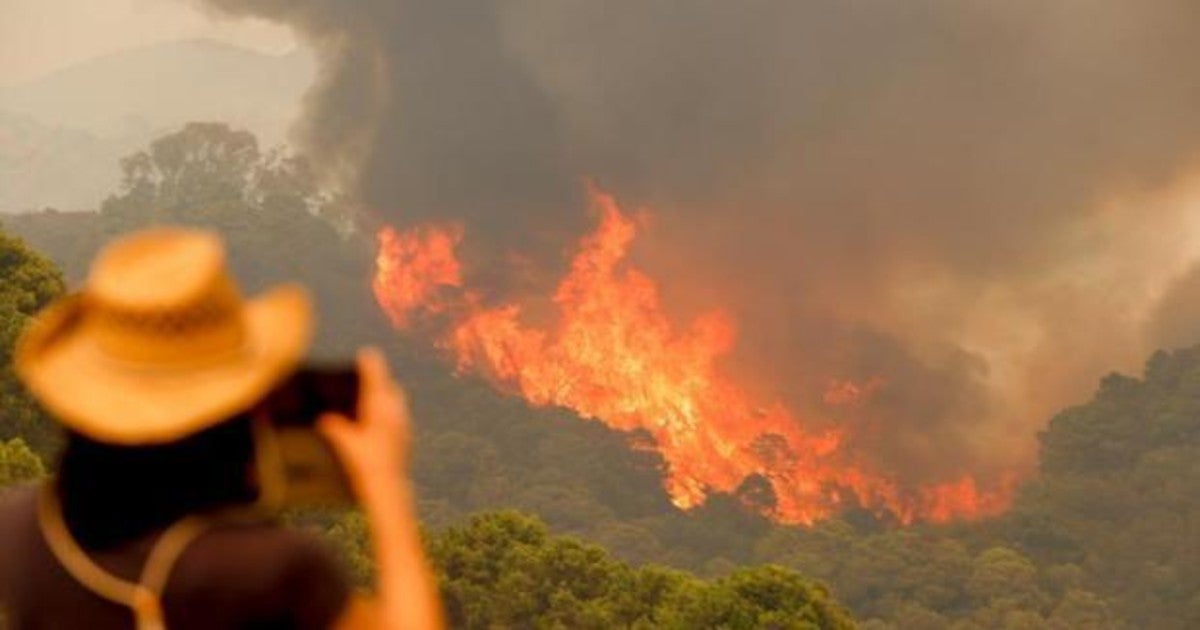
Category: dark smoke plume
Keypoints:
(979, 201)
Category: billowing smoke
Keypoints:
(980, 203)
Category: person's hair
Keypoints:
(112, 494)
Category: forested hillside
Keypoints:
(1105, 535)
(1117, 500)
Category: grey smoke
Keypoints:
(945, 193)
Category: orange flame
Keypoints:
(411, 266)
(614, 356)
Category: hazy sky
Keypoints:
(37, 36)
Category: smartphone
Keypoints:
(312, 475)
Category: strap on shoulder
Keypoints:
(143, 597)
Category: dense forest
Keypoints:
(564, 513)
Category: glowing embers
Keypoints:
(614, 356)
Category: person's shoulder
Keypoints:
(18, 521)
(17, 498)
(18, 507)
(267, 549)
(265, 571)
(262, 540)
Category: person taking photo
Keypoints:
(154, 517)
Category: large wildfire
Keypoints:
(614, 356)
(922, 247)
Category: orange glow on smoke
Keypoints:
(614, 356)
(841, 393)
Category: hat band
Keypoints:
(244, 350)
(169, 338)
(168, 323)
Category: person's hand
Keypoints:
(374, 447)
(374, 451)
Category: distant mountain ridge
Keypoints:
(62, 134)
(166, 84)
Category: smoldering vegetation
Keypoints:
(984, 204)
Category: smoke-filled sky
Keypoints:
(987, 204)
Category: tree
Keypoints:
(1000, 573)
(266, 204)
(204, 165)
(766, 596)
(1081, 610)
(18, 464)
(504, 569)
(27, 283)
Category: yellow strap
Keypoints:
(167, 549)
(144, 597)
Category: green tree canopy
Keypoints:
(1117, 495)
(27, 283)
(18, 464)
(504, 569)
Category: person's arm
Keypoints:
(374, 451)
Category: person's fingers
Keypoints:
(391, 400)
(379, 394)
(337, 428)
(373, 370)
(366, 381)
(400, 398)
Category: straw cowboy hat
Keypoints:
(159, 343)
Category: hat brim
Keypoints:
(119, 403)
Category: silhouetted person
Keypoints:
(155, 370)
